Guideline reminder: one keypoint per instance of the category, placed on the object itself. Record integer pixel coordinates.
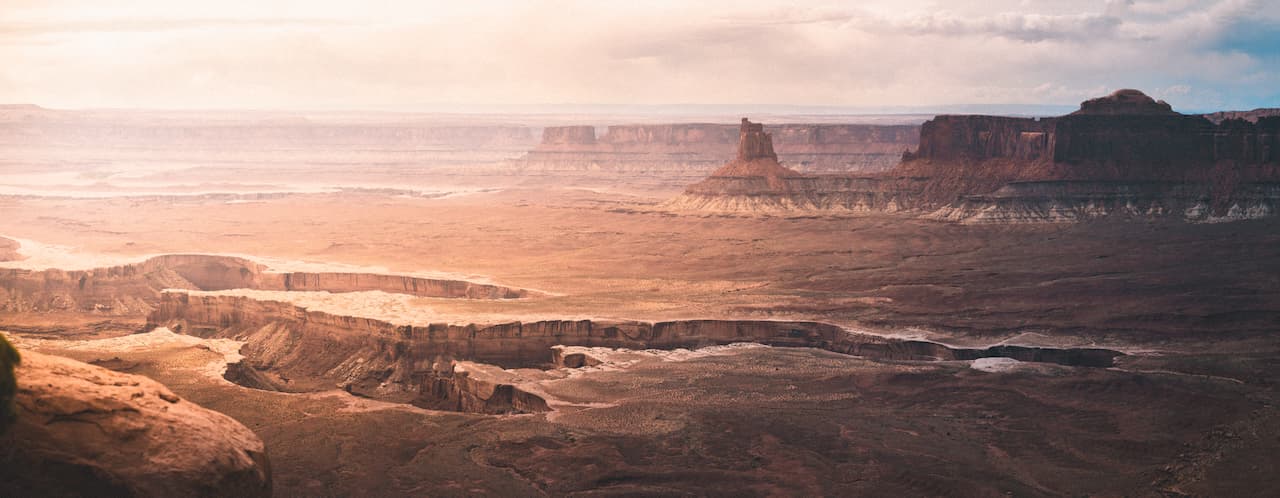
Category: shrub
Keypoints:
(9, 359)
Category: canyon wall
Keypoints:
(31, 125)
(1126, 136)
(1250, 116)
(1124, 155)
(134, 289)
(290, 348)
(696, 149)
(1121, 155)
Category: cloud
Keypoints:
(247, 53)
(1015, 26)
(152, 25)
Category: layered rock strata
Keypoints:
(1250, 116)
(134, 289)
(693, 150)
(83, 430)
(755, 182)
(33, 125)
(1125, 155)
(293, 349)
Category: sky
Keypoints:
(419, 55)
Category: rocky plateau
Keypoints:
(1120, 156)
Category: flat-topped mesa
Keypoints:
(754, 143)
(1125, 101)
(677, 154)
(1123, 153)
(564, 135)
(754, 182)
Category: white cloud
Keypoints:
(243, 53)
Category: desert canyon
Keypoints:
(397, 304)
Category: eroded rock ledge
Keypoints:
(289, 348)
(134, 289)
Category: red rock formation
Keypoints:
(1126, 102)
(1131, 155)
(1250, 116)
(755, 165)
(754, 143)
(697, 148)
(133, 289)
(1125, 137)
(754, 182)
(567, 137)
(138, 130)
(83, 430)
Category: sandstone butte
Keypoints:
(83, 430)
(1123, 137)
(696, 149)
(1123, 154)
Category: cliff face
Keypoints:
(1156, 162)
(953, 138)
(1123, 155)
(82, 430)
(698, 148)
(86, 129)
(1116, 138)
(754, 182)
(134, 289)
(292, 349)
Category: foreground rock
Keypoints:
(87, 431)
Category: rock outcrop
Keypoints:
(134, 289)
(682, 152)
(755, 182)
(1127, 102)
(290, 348)
(83, 430)
(31, 125)
(1124, 155)
(1250, 116)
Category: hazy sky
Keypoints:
(319, 54)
